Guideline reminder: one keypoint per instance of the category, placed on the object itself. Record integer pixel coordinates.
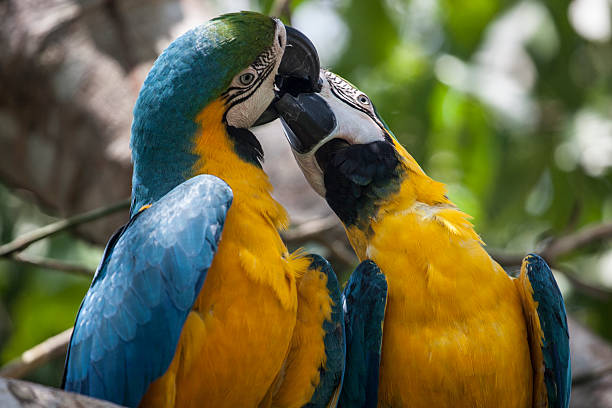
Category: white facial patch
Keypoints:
(252, 90)
(354, 123)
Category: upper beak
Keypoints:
(299, 68)
(308, 120)
(298, 71)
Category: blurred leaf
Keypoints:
(48, 306)
(373, 36)
(466, 21)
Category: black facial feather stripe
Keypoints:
(263, 65)
(264, 60)
(342, 88)
(241, 96)
(349, 94)
(343, 98)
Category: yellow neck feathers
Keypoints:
(217, 156)
(420, 198)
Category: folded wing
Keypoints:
(364, 301)
(130, 320)
(330, 381)
(548, 334)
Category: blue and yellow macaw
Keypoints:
(197, 301)
(431, 319)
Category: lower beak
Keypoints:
(298, 71)
(308, 120)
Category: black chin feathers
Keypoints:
(246, 145)
(357, 177)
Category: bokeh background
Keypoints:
(507, 102)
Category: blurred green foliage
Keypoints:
(38, 303)
(504, 101)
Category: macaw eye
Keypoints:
(246, 78)
(364, 100)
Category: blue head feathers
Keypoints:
(192, 72)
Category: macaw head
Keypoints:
(347, 152)
(202, 94)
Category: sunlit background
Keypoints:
(507, 102)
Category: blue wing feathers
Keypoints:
(553, 320)
(335, 347)
(364, 302)
(130, 320)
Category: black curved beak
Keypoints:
(298, 71)
(307, 120)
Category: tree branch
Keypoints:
(597, 292)
(560, 246)
(581, 286)
(568, 243)
(38, 355)
(588, 377)
(310, 230)
(341, 252)
(53, 264)
(17, 394)
(504, 259)
(323, 231)
(22, 242)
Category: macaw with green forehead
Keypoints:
(431, 319)
(197, 301)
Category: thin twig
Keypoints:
(310, 229)
(341, 252)
(38, 355)
(597, 292)
(560, 246)
(568, 243)
(591, 376)
(53, 264)
(322, 231)
(22, 242)
(504, 259)
(577, 283)
(23, 394)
